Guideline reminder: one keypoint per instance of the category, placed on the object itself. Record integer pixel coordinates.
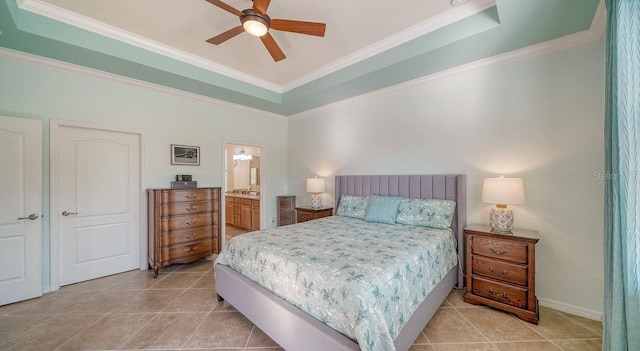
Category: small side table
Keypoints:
(306, 213)
(501, 270)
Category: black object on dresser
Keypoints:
(501, 270)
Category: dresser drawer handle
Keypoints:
(494, 271)
(192, 197)
(191, 250)
(504, 294)
(191, 222)
(192, 208)
(498, 252)
(191, 236)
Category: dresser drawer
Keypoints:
(187, 250)
(508, 294)
(502, 249)
(175, 237)
(188, 195)
(184, 222)
(508, 272)
(181, 208)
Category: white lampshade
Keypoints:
(503, 191)
(315, 185)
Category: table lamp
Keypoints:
(502, 192)
(315, 186)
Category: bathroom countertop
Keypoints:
(243, 196)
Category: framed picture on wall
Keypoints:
(185, 155)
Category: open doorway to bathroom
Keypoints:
(242, 197)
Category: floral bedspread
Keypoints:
(362, 279)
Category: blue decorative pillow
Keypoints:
(426, 212)
(382, 209)
(353, 206)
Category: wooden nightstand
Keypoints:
(501, 270)
(306, 213)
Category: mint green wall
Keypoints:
(540, 119)
(35, 92)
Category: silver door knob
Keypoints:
(32, 217)
(67, 213)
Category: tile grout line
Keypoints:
(81, 331)
(198, 327)
(476, 328)
(246, 343)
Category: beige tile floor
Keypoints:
(179, 311)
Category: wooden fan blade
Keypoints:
(226, 7)
(221, 38)
(309, 28)
(273, 47)
(261, 6)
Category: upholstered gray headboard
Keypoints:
(445, 187)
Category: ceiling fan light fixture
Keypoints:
(255, 24)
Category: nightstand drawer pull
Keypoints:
(498, 252)
(191, 222)
(190, 251)
(192, 197)
(494, 271)
(192, 208)
(191, 236)
(504, 294)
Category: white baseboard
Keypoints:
(573, 309)
(46, 289)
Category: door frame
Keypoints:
(54, 226)
(263, 163)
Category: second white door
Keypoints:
(98, 202)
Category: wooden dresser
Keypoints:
(501, 270)
(306, 213)
(184, 225)
(286, 210)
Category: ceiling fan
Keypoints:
(256, 22)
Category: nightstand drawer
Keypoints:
(508, 294)
(508, 272)
(304, 216)
(501, 249)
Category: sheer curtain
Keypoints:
(622, 193)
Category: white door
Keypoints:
(98, 202)
(20, 209)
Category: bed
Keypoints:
(294, 329)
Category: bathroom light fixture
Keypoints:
(241, 156)
(315, 186)
(502, 192)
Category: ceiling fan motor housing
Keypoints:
(251, 15)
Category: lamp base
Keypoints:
(501, 220)
(316, 201)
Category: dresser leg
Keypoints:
(220, 298)
(155, 271)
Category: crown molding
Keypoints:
(599, 23)
(71, 18)
(22, 57)
(432, 24)
(528, 52)
(65, 16)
